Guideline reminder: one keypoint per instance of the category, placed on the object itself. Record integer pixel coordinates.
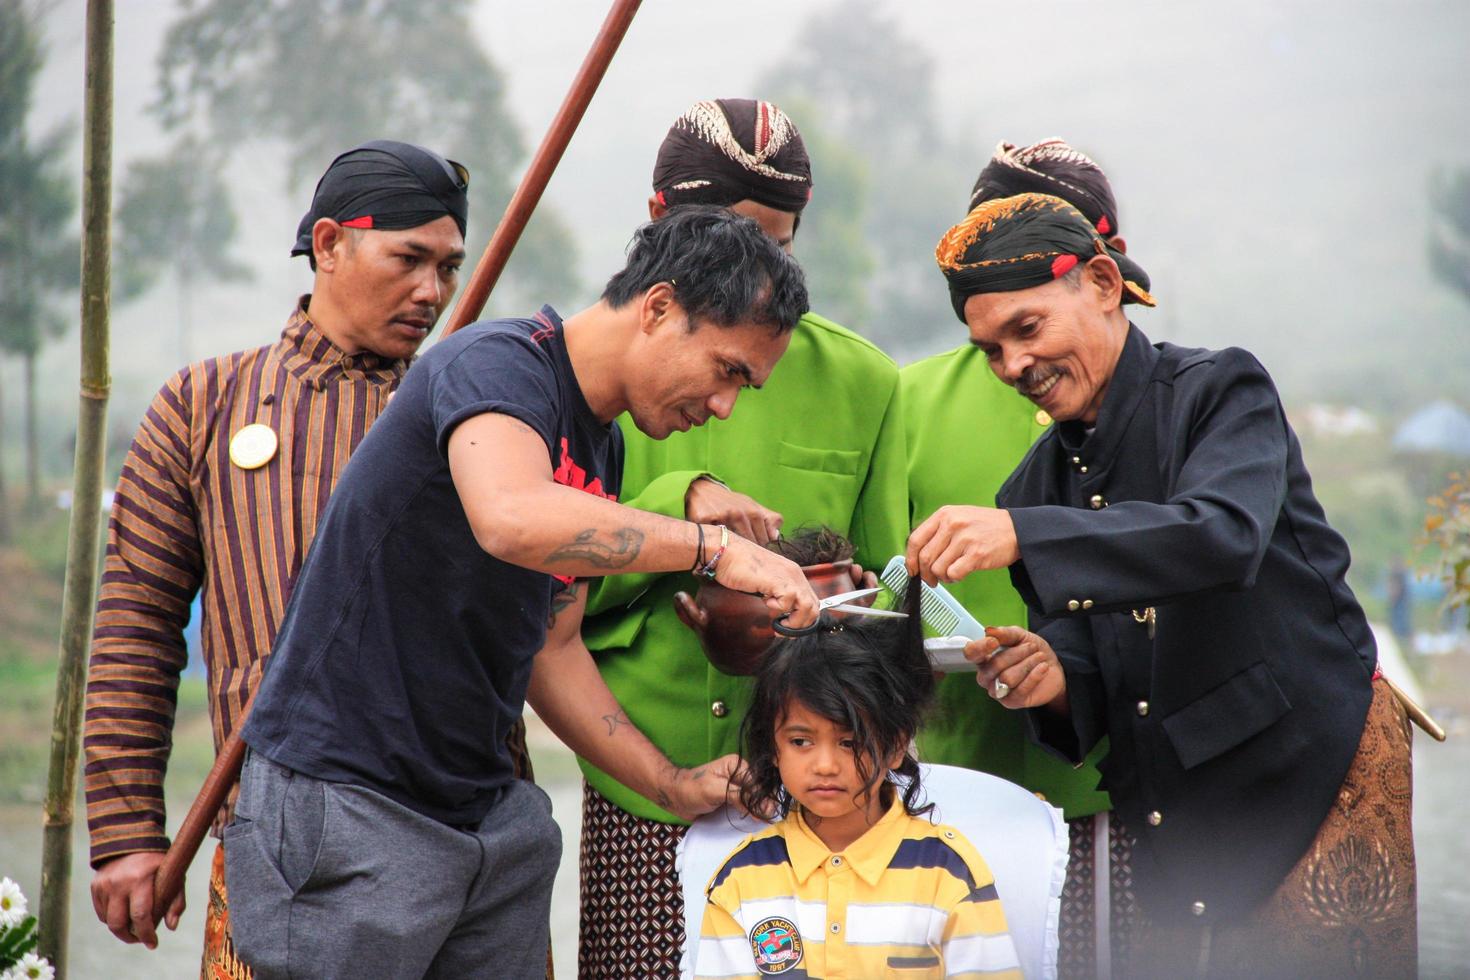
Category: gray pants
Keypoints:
(333, 880)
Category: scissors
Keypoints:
(842, 602)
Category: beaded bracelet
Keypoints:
(708, 570)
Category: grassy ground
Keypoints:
(29, 619)
(31, 572)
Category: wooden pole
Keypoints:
(169, 878)
(86, 505)
(543, 164)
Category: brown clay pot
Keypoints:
(734, 628)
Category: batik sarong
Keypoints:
(632, 922)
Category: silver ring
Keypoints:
(1001, 690)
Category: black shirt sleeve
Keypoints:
(500, 372)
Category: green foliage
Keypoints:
(174, 215)
(874, 86)
(1449, 238)
(837, 258)
(39, 257)
(32, 571)
(322, 76)
(17, 941)
(868, 91)
(40, 260)
(1370, 499)
(20, 60)
(1447, 532)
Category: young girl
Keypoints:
(853, 881)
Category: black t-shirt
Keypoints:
(405, 651)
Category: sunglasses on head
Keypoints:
(456, 172)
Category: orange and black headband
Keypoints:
(1013, 243)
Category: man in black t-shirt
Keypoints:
(380, 830)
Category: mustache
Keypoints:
(426, 313)
(1033, 377)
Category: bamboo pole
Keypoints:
(86, 506)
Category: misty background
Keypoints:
(1286, 172)
(1272, 162)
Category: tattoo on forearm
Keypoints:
(623, 548)
(561, 601)
(677, 774)
(615, 721)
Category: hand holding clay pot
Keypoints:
(734, 628)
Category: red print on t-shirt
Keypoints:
(569, 474)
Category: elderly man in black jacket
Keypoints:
(1187, 599)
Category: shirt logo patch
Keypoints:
(777, 946)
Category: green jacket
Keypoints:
(966, 431)
(822, 443)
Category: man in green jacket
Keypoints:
(820, 443)
(966, 431)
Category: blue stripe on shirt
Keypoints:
(766, 851)
(986, 894)
(931, 852)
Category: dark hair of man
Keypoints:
(723, 268)
(870, 677)
(813, 545)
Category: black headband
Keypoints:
(389, 185)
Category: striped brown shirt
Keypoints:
(187, 521)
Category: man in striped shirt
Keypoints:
(220, 496)
(906, 899)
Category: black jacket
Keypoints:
(1232, 729)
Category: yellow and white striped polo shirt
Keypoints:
(907, 899)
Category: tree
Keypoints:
(870, 90)
(836, 256)
(1447, 527)
(174, 216)
(39, 258)
(1449, 237)
(1447, 535)
(871, 83)
(321, 76)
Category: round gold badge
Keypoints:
(1042, 417)
(253, 446)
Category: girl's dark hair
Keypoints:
(870, 676)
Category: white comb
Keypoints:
(941, 613)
